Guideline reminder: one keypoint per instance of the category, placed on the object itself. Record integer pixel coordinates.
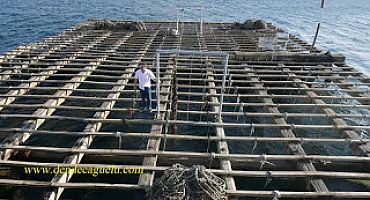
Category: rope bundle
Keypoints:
(188, 183)
(119, 26)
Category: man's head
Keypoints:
(143, 67)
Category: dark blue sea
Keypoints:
(345, 28)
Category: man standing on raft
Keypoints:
(144, 75)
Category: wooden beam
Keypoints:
(222, 146)
(85, 141)
(147, 179)
(317, 184)
(19, 138)
(35, 80)
(337, 121)
(194, 137)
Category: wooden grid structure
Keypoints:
(295, 124)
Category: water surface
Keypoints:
(345, 28)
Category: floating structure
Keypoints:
(283, 120)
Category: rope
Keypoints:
(134, 95)
(230, 82)
(166, 127)
(187, 183)
(118, 135)
(268, 178)
(237, 97)
(276, 194)
(165, 142)
(264, 161)
(254, 146)
(212, 156)
(241, 109)
(252, 130)
(208, 133)
(285, 116)
(363, 136)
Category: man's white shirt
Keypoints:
(144, 78)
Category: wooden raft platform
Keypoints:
(295, 123)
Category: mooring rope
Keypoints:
(187, 183)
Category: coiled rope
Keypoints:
(187, 183)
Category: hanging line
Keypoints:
(208, 127)
(134, 95)
(212, 156)
(244, 113)
(255, 144)
(230, 83)
(118, 135)
(252, 130)
(268, 178)
(238, 100)
(166, 127)
(318, 26)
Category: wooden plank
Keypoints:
(6, 74)
(19, 138)
(194, 137)
(222, 146)
(85, 141)
(147, 179)
(35, 80)
(297, 149)
(186, 154)
(234, 173)
(337, 121)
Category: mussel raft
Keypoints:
(294, 121)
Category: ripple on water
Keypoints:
(345, 27)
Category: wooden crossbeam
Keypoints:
(85, 141)
(317, 184)
(19, 138)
